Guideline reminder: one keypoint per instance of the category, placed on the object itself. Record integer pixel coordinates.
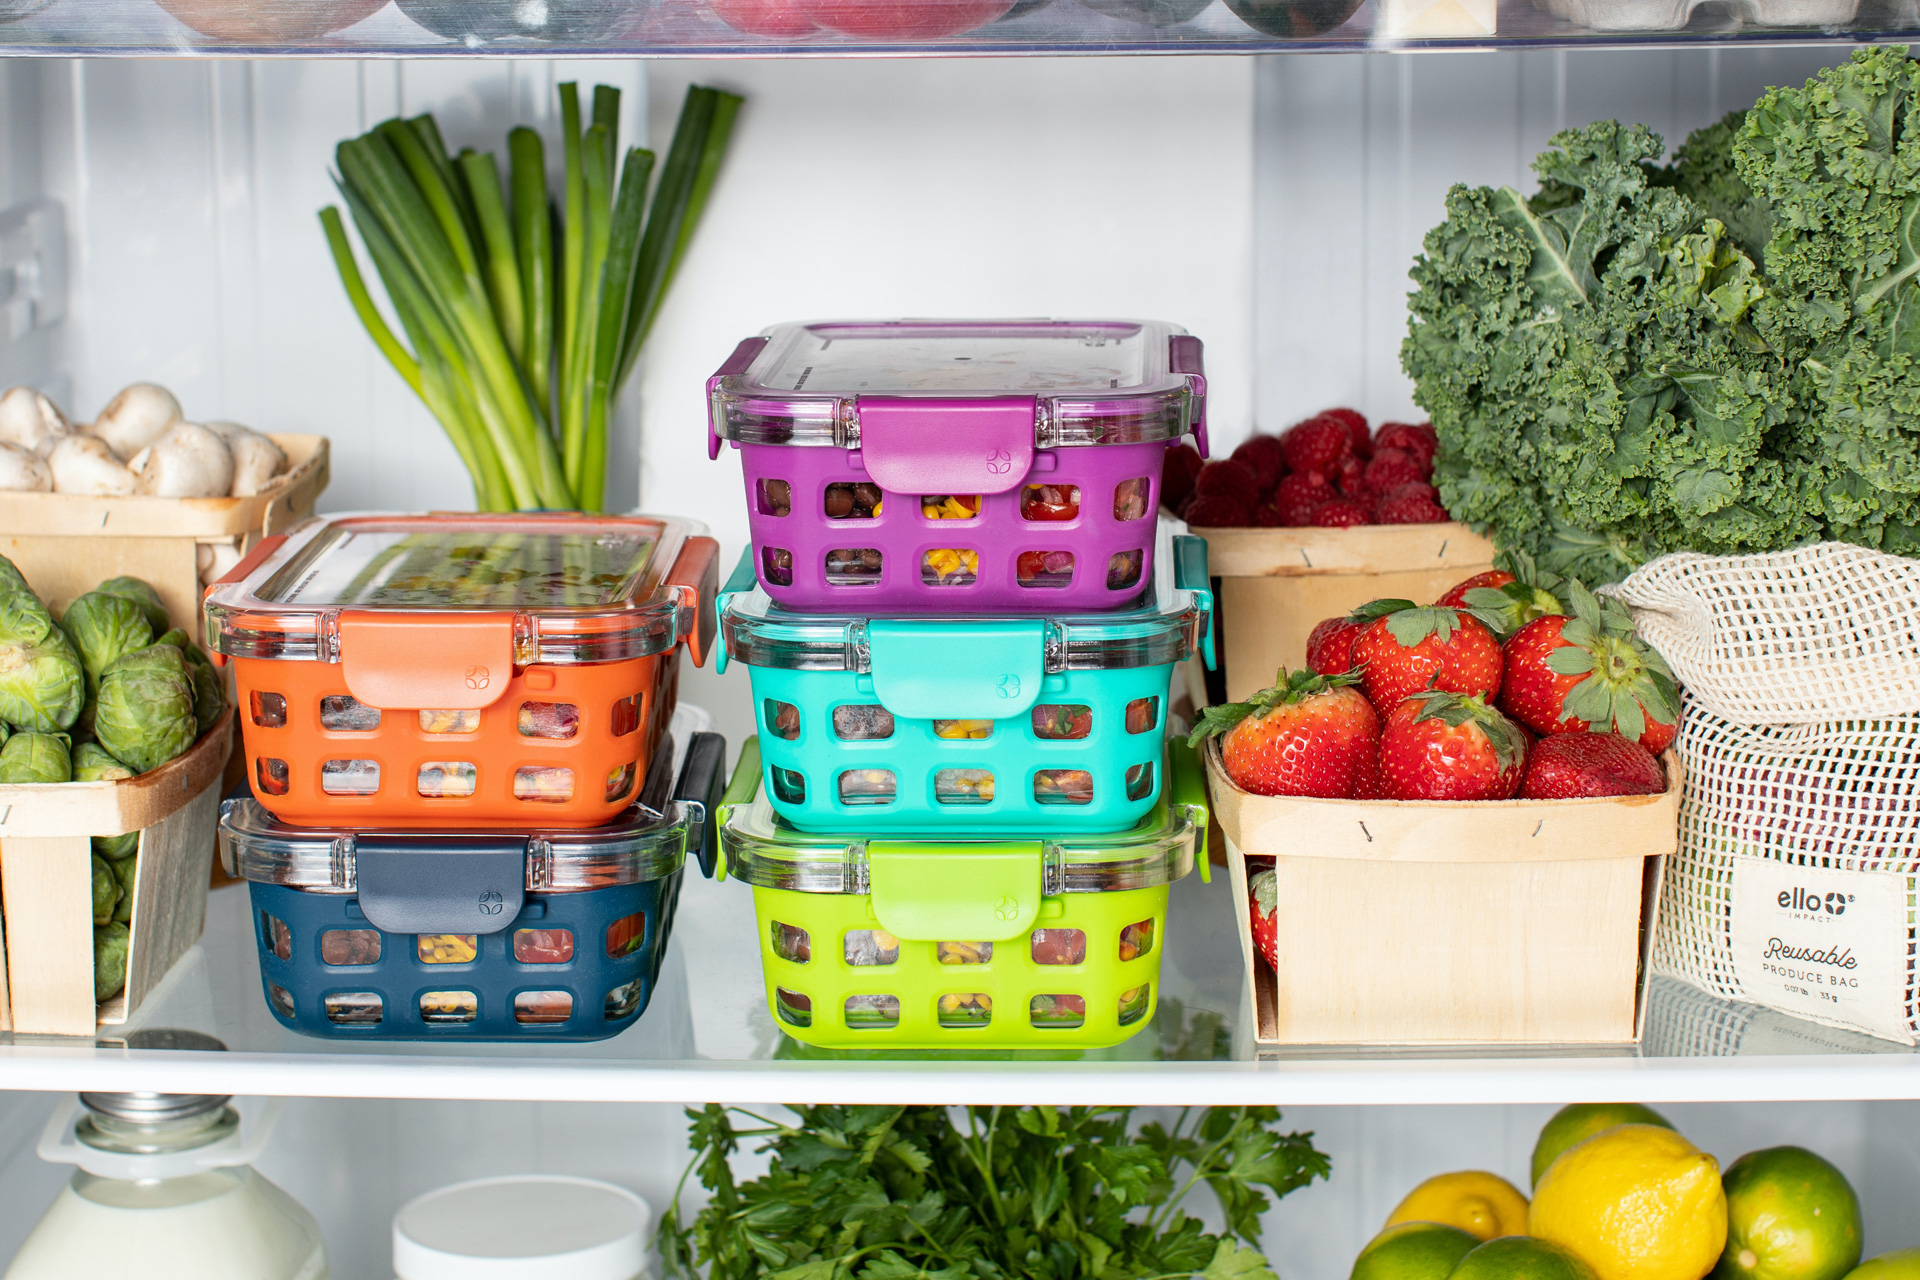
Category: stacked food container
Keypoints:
(466, 819)
(961, 815)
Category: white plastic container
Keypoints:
(523, 1228)
(165, 1191)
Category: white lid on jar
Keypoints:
(522, 1228)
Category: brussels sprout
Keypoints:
(103, 627)
(36, 757)
(41, 683)
(11, 579)
(117, 848)
(209, 693)
(124, 872)
(141, 594)
(106, 891)
(144, 717)
(94, 763)
(110, 942)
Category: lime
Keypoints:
(1790, 1216)
(1413, 1251)
(1521, 1258)
(1474, 1200)
(1901, 1264)
(1581, 1121)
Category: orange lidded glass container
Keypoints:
(478, 671)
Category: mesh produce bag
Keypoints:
(1808, 636)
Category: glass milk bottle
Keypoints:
(165, 1191)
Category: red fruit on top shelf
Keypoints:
(1308, 735)
(1455, 596)
(1442, 746)
(1406, 648)
(1262, 456)
(1391, 468)
(1341, 513)
(1410, 508)
(1330, 645)
(1420, 487)
(1177, 474)
(1228, 479)
(1358, 433)
(1350, 478)
(1269, 517)
(906, 19)
(1417, 439)
(1318, 444)
(1216, 511)
(1568, 766)
(1570, 674)
(1299, 494)
(1263, 896)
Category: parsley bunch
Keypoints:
(989, 1193)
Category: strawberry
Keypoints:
(1299, 494)
(1569, 675)
(1405, 648)
(1309, 735)
(1391, 468)
(1263, 896)
(1455, 596)
(1317, 444)
(1214, 511)
(1410, 508)
(1442, 746)
(1419, 440)
(1340, 513)
(1177, 472)
(1357, 430)
(1330, 646)
(1510, 605)
(1566, 766)
(1228, 479)
(1262, 456)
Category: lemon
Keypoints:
(1484, 1204)
(1636, 1202)
(1413, 1251)
(1521, 1258)
(1901, 1264)
(1581, 1121)
(1790, 1216)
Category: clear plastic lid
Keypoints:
(641, 845)
(555, 588)
(1084, 382)
(763, 850)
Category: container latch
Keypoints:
(406, 661)
(419, 885)
(948, 893)
(960, 670)
(947, 446)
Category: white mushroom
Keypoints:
(31, 421)
(256, 459)
(135, 418)
(189, 461)
(19, 469)
(84, 464)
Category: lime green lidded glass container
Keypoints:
(1047, 943)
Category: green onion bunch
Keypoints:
(525, 317)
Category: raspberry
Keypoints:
(1351, 477)
(1341, 513)
(1410, 508)
(1228, 479)
(1269, 517)
(1177, 472)
(1317, 444)
(1262, 456)
(1417, 439)
(1215, 511)
(1392, 468)
(1356, 424)
(1420, 487)
(1298, 495)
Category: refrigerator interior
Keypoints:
(1269, 204)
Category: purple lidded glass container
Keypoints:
(957, 465)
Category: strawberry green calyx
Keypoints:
(1508, 739)
(1532, 594)
(1410, 624)
(1288, 687)
(1626, 680)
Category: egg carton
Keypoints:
(1671, 15)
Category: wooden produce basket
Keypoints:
(1406, 922)
(46, 884)
(67, 543)
(1277, 584)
